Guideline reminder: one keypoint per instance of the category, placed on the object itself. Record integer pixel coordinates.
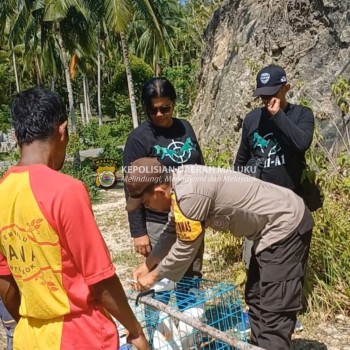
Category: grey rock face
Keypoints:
(309, 38)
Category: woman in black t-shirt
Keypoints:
(174, 143)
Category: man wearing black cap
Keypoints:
(274, 137)
(278, 133)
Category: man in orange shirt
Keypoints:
(56, 276)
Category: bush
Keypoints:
(114, 134)
(328, 279)
(219, 153)
(116, 101)
(108, 136)
(184, 80)
(5, 122)
(6, 79)
(85, 173)
(2, 172)
(7, 88)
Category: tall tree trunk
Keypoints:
(53, 82)
(76, 156)
(82, 113)
(159, 69)
(15, 68)
(37, 70)
(86, 99)
(99, 82)
(129, 80)
(67, 75)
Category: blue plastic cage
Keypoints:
(215, 304)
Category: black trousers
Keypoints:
(274, 290)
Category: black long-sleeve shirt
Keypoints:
(291, 133)
(174, 146)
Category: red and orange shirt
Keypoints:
(50, 243)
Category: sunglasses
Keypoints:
(161, 109)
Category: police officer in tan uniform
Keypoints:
(273, 217)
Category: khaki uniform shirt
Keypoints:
(224, 200)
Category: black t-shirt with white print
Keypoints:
(285, 136)
(173, 146)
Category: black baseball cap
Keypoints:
(269, 80)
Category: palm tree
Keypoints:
(8, 17)
(57, 29)
(129, 80)
(198, 13)
(64, 27)
(118, 14)
(99, 107)
(64, 59)
(146, 37)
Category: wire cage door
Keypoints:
(216, 304)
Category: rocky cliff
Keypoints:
(309, 38)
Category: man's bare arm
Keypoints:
(111, 295)
(10, 295)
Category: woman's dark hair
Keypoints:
(155, 88)
(36, 113)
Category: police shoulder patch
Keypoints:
(186, 229)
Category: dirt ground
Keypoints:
(112, 220)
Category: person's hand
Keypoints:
(140, 271)
(274, 106)
(142, 245)
(147, 281)
(139, 341)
